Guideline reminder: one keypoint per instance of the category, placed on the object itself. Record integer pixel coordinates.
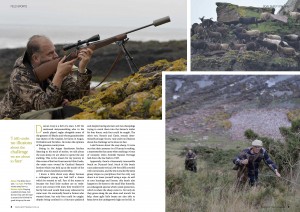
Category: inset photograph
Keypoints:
(232, 142)
(245, 35)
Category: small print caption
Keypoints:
(18, 6)
(272, 6)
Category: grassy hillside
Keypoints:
(212, 188)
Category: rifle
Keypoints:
(47, 69)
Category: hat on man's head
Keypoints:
(257, 143)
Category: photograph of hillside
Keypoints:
(213, 118)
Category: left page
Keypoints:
(110, 153)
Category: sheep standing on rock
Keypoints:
(214, 36)
(273, 37)
(292, 37)
(265, 16)
(288, 51)
(277, 42)
(242, 36)
(236, 46)
(294, 44)
(206, 22)
(199, 30)
(252, 33)
(214, 46)
(199, 45)
(224, 46)
(270, 46)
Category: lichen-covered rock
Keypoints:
(135, 97)
(291, 5)
(230, 13)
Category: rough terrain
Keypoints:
(227, 105)
(138, 96)
(230, 44)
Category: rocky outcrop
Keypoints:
(291, 5)
(138, 96)
(240, 41)
(230, 13)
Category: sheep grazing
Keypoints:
(242, 36)
(202, 45)
(292, 37)
(273, 37)
(277, 42)
(222, 30)
(236, 46)
(295, 15)
(265, 16)
(214, 36)
(288, 51)
(224, 46)
(206, 22)
(199, 30)
(214, 46)
(294, 44)
(252, 33)
(251, 46)
(268, 45)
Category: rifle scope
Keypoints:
(80, 42)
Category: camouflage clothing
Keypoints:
(190, 162)
(254, 162)
(25, 93)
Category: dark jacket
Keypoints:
(254, 159)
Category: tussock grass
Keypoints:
(213, 188)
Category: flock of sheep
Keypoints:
(209, 36)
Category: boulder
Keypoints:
(230, 13)
(291, 5)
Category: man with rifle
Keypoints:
(190, 161)
(27, 93)
(249, 160)
(41, 80)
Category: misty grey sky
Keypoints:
(93, 12)
(207, 8)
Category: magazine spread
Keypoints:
(81, 102)
(150, 105)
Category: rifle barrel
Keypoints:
(49, 68)
(138, 29)
(155, 23)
